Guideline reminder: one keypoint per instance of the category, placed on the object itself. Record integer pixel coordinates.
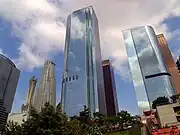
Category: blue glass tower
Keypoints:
(149, 73)
(83, 76)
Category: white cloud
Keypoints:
(143, 104)
(77, 28)
(40, 25)
(1, 51)
(126, 14)
(175, 36)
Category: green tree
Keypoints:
(59, 108)
(32, 124)
(51, 121)
(100, 118)
(47, 122)
(160, 101)
(13, 128)
(125, 118)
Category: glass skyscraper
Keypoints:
(149, 73)
(82, 82)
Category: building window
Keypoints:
(76, 77)
(73, 78)
(178, 118)
(66, 79)
(69, 78)
(177, 109)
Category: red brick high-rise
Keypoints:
(110, 88)
(169, 61)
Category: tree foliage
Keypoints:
(48, 122)
(12, 128)
(160, 101)
(51, 121)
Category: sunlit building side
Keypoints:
(46, 92)
(169, 60)
(150, 76)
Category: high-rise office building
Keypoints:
(82, 82)
(47, 87)
(110, 88)
(170, 63)
(9, 76)
(149, 73)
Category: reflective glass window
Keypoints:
(76, 64)
(136, 73)
(158, 87)
(76, 77)
(149, 62)
(82, 63)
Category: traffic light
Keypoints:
(86, 110)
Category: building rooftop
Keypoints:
(136, 27)
(106, 62)
(4, 57)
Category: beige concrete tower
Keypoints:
(32, 86)
(46, 91)
(30, 94)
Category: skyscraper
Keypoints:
(47, 87)
(149, 73)
(30, 94)
(32, 86)
(170, 63)
(83, 77)
(9, 76)
(110, 88)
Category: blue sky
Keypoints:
(33, 31)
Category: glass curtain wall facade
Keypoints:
(9, 76)
(83, 77)
(149, 73)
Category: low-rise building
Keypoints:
(149, 120)
(169, 115)
(166, 131)
(18, 117)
